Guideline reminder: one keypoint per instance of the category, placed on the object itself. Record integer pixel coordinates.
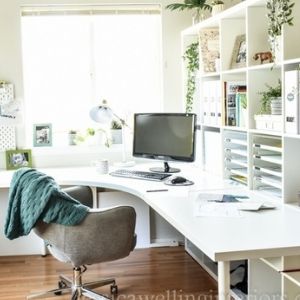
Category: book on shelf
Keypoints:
(291, 98)
(212, 106)
(235, 102)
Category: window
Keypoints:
(74, 60)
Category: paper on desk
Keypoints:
(211, 205)
(214, 209)
(255, 205)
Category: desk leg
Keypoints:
(95, 196)
(224, 280)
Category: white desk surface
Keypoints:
(266, 233)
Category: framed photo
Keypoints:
(210, 49)
(16, 159)
(239, 54)
(42, 135)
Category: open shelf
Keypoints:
(273, 262)
(293, 277)
(261, 159)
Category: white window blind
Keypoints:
(76, 56)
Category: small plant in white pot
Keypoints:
(270, 116)
(271, 100)
(72, 137)
(217, 7)
(116, 132)
(92, 137)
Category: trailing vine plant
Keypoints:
(191, 56)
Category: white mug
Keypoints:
(101, 165)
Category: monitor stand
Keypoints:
(165, 169)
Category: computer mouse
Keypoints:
(178, 179)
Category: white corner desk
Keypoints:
(269, 233)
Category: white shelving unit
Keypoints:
(262, 160)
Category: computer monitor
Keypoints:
(165, 136)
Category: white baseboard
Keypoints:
(163, 243)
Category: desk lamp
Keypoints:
(103, 114)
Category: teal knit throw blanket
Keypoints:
(34, 196)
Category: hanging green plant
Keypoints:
(190, 4)
(191, 56)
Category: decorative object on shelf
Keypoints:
(92, 137)
(16, 159)
(271, 94)
(72, 137)
(42, 135)
(191, 56)
(279, 13)
(104, 114)
(268, 122)
(6, 92)
(197, 5)
(7, 137)
(239, 54)
(217, 7)
(270, 117)
(263, 56)
(116, 132)
(210, 50)
(8, 106)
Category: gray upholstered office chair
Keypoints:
(104, 235)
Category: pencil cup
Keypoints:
(101, 166)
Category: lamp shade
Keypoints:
(101, 114)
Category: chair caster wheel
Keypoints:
(114, 289)
(58, 293)
(61, 285)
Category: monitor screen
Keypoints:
(165, 136)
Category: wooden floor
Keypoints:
(147, 274)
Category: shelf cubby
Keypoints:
(236, 156)
(267, 163)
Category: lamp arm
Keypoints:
(121, 120)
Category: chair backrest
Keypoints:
(104, 235)
(81, 193)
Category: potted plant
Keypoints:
(116, 132)
(72, 137)
(217, 6)
(191, 56)
(92, 137)
(271, 100)
(197, 5)
(271, 108)
(279, 13)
